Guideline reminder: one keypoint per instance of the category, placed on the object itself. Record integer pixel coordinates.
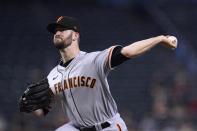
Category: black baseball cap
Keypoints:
(64, 22)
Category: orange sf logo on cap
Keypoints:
(60, 18)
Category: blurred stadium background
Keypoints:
(154, 92)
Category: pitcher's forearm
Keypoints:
(140, 47)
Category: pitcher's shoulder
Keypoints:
(91, 54)
(54, 72)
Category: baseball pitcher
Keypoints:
(80, 79)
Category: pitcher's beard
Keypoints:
(62, 44)
(59, 46)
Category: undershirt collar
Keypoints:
(65, 64)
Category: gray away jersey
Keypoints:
(84, 89)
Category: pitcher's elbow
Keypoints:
(128, 53)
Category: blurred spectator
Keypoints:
(3, 123)
(181, 88)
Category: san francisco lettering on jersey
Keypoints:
(73, 82)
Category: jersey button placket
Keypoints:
(68, 95)
(63, 83)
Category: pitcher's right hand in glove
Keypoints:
(36, 96)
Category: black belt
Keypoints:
(93, 128)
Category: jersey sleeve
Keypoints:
(117, 57)
(103, 60)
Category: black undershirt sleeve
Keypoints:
(117, 58)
